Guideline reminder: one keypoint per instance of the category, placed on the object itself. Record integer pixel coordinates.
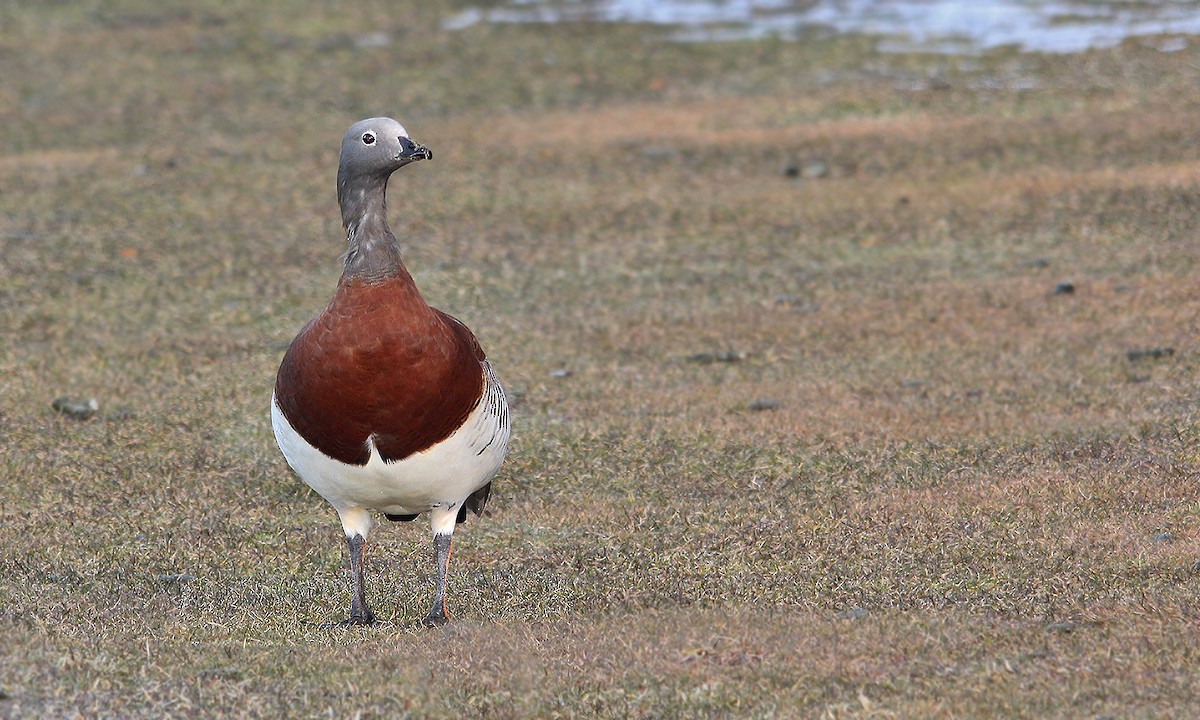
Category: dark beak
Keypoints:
(411, 151)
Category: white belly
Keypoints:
(441, 476)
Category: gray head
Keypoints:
(372, 150)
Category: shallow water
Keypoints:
(950, 26)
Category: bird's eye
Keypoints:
(368, 138)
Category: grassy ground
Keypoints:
(802, 429)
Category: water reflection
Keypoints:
(956, 26)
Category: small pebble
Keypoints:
(76, 409)
(1157, 353)
(763, 404)
(813, 170)
(560, 373)
(1064, 288)
(724, 356)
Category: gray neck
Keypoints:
(373, 252)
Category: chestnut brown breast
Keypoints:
(379, 363)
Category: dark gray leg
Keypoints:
(441, 552)
(360, 614)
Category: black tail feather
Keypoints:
(475, 502)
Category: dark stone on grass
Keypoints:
(1064, 288)
(1157, 353)
(723, 356)
(76, 409)
(764, 404)
(811, 170)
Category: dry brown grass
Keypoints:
(784, 447)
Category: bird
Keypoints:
(383, 403)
